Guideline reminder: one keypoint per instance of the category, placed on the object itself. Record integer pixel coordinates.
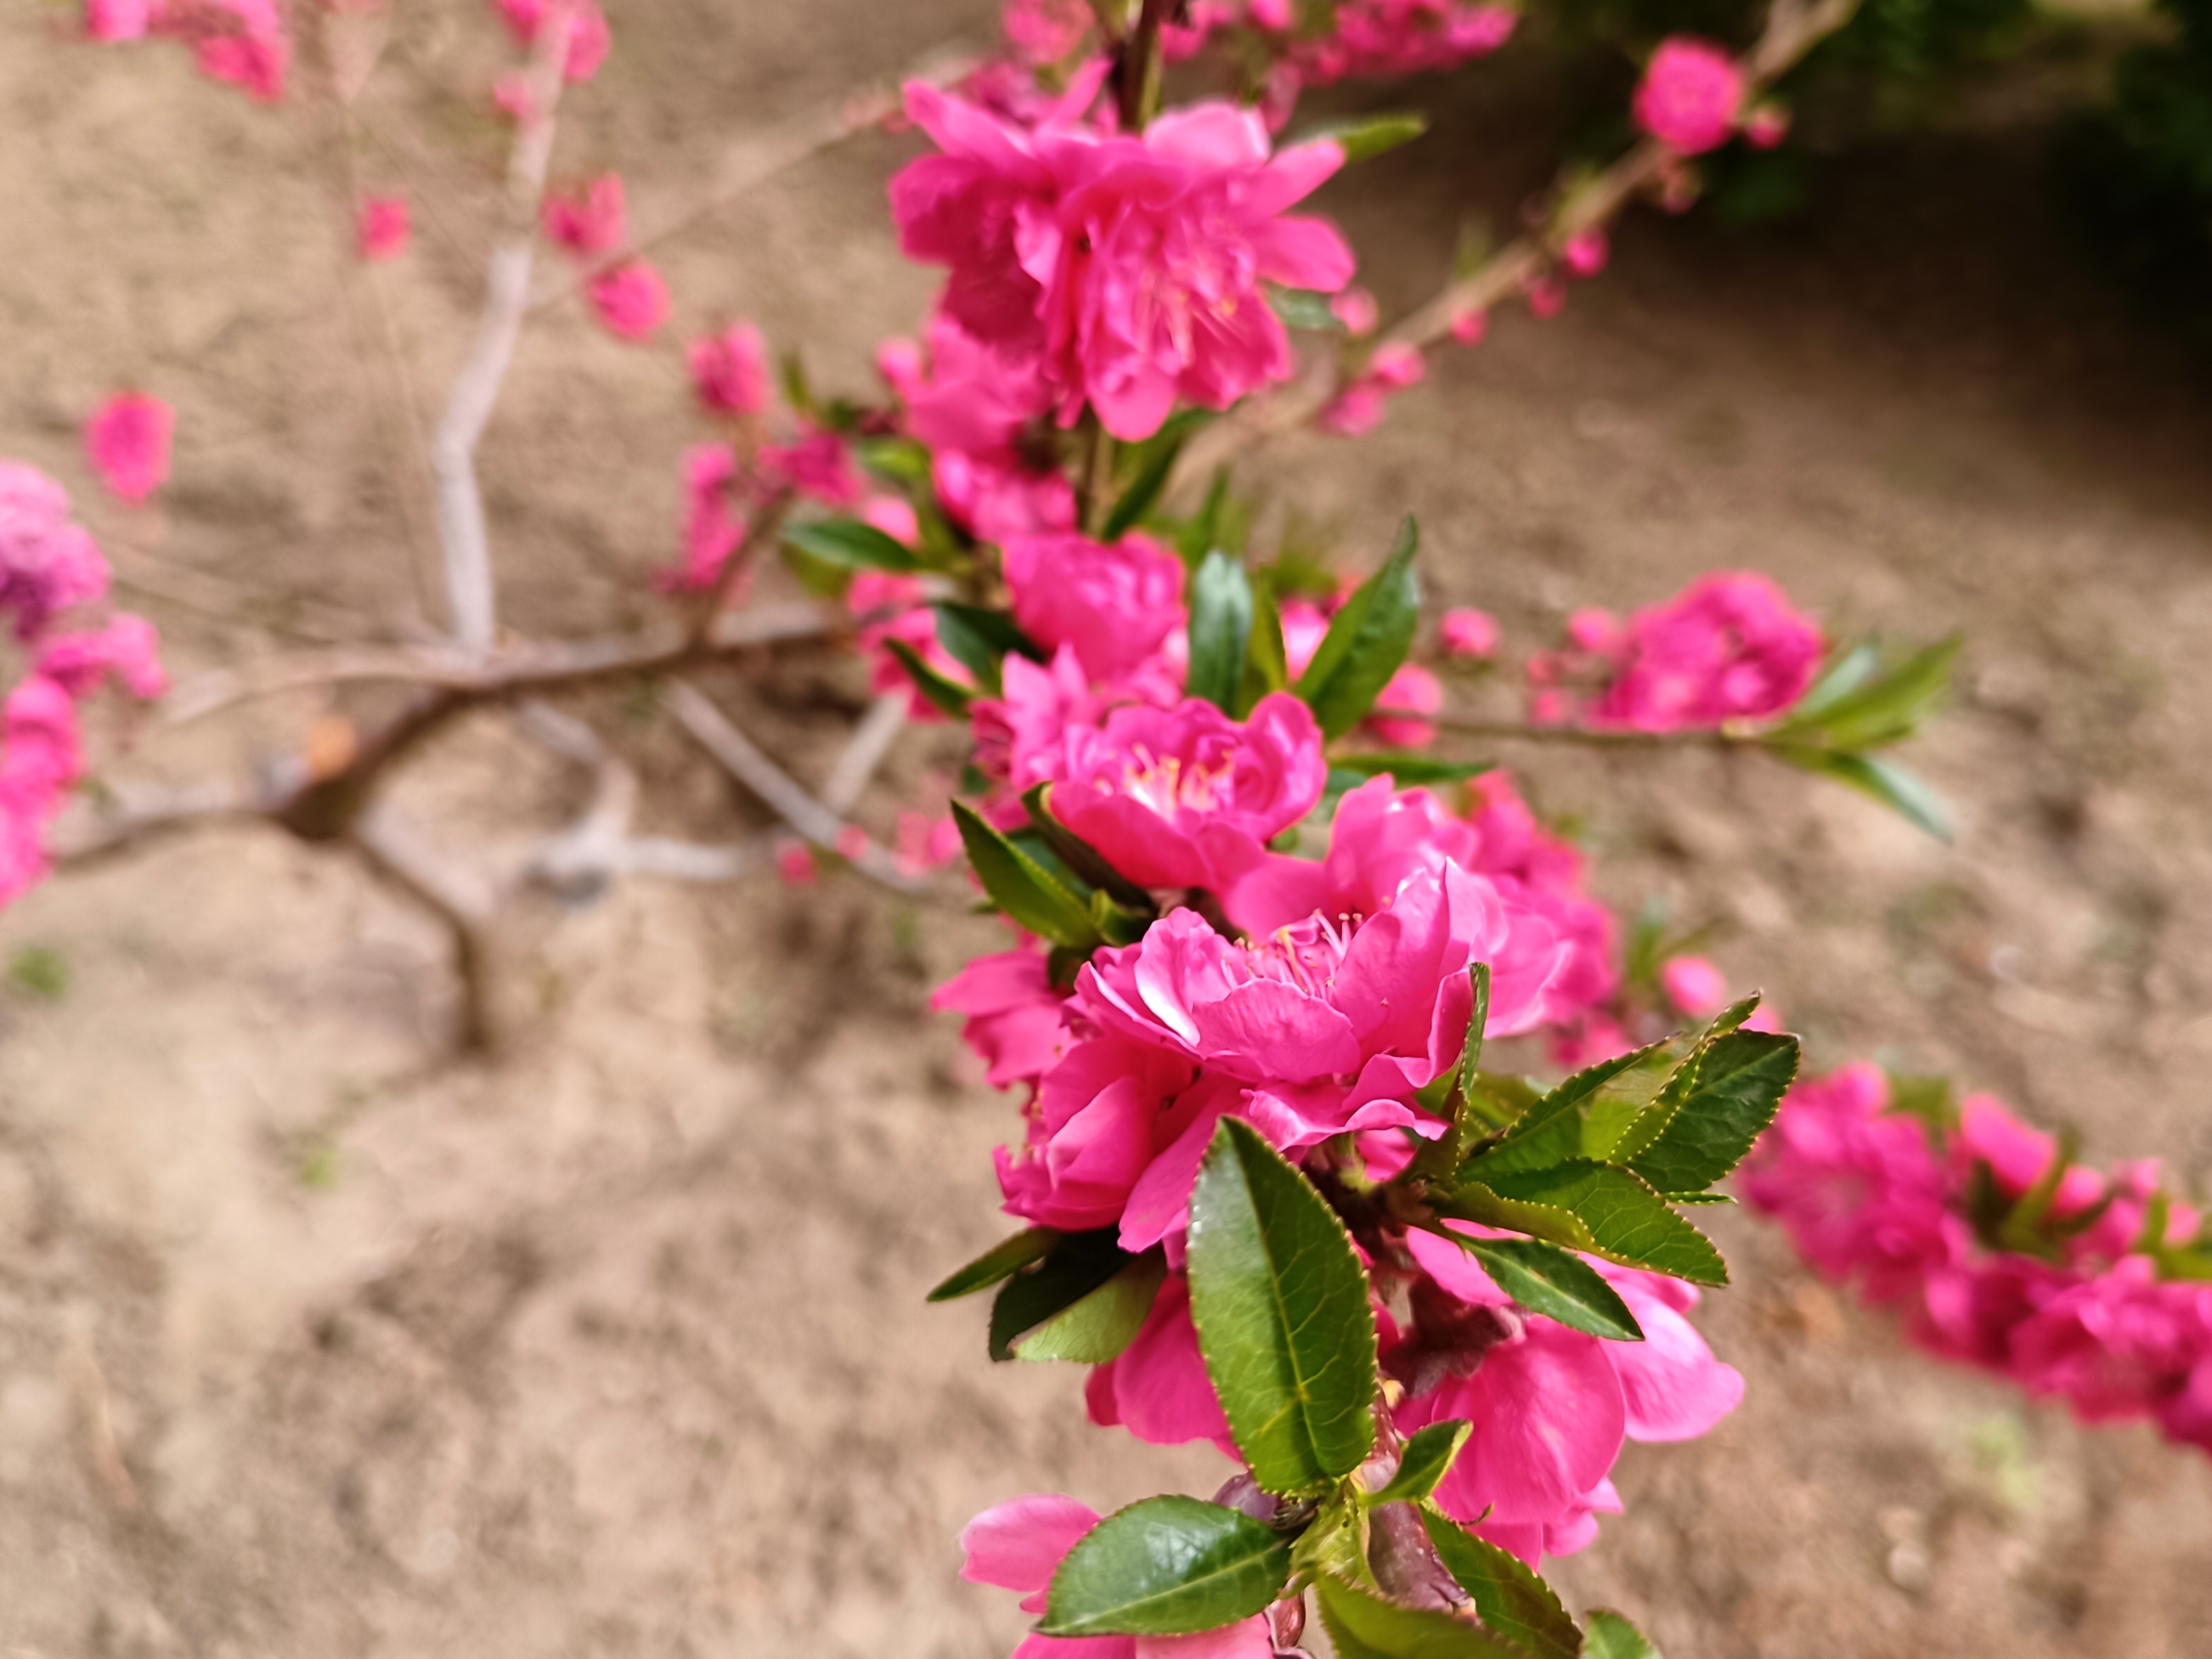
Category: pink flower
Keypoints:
(1044, 30)
(817, 466)
(382, 225)
(116, 19)
(129, 442)
(1379, 39)
(511, 97)
(1766, 126)
(1414, 687)
(1470, 326)
(1158, 1387)
(127, 649)
(1729, 647)
(1694, 986)
(714, 529)
(1021, 738)
(1051, 236)
(631, 300)
(1359, 408)
(592, 220)
(1546, 295)
(1187, 796)
(924, 843)
(1468, 633)
(729, 370)
(1550, 1405)
(914, 624)
(588, 36)
(1690, 95)
(1019, 1546)
(1111, 605)
(46, 563)
(1356, 309)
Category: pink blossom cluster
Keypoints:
(1119, 272)
(1730, 647)
(48, 566)
(244, 42)
(1877, 1197)
(1375, 38)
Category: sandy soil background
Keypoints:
(312, 1344)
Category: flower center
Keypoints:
(1168, 783)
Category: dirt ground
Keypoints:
(314, 1344)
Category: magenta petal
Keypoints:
(1549, 1419)
(1077, 1647)
(1277, 1030)
(1160, 1200)
(1673, 1387)
(1245, 1639)
(1304, 252)
(1292, 176)
(1213, 135)
(1277, 891)
(1018, 1545)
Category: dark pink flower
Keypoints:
(129, 442)
(1158, 1389)
(1689, 96)
(1044, 30)
(1728, 647)
(1470, 326)
(631, 300)
(118, 20)
(127, 650)
(1696, 988)
(1014, 1018)
(1584, 253)
(47, 564)
(1111, 605)
(1187, 796)
(729, 370)
(382, 227)
(714, 528)
(817, 466)
(1468, 633)
(1415, 690)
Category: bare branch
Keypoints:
(808, 817)
(863, 752)
(461, 527)
(458, 898)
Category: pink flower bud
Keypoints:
(1584, 253)
(1694, 986)
(1547, 296)
(851, 842)
(116, 19)
(729, 371)
(1356, 309)
(382, 227)
(631, 300)
(794, 864)
(1396, 365)
(129, 443)
(1470, 326)
(510, 96)
(1466, 632)
(1766, 126)
(1594, 629)
(594, 220)
(1275, 15)
(898, 359)
(1690, 95)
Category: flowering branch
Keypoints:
(470, 600)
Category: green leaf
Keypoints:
(1156, 459)
(1167, 1566)
(1627, 1222)
(1363, 1626)
(1849, 671)
(1427, 1459)
(1585, 1117)
(1002, 1260)
(1265, 667)
(1201, 533)
(1077, 1265)
(978, 639)
(1608, 1636)
(1362, 137)
(1301, 307)
(1879, 780)
(1410, 770)
(1741, 1080)
(1472, 1201)
(1511, 1599)
(1094, 1330)
(1220, 630)
(1546, 1280)
(1367, 640)
(1881, 711)
(1022, 887)
(901, 460)
(948, 698)
(1280, 1302)
(1335, 1543)
(1441, 1156)
(1081, 858)
(851, 542)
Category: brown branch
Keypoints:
(1793, 28)
(1514, 731)
(461, 904)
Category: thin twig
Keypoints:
(760, 531)
(751, 162)
(1793, 28)
(392, 851)
(807, 816)
(863, 752)
(461, 527)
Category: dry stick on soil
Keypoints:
(807, 816)
(461, 526)
(1793, 28)
(753, 161)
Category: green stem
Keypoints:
(1512, 731)
(1137, 77)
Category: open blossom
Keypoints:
(729, 370)
(631, 300)
(1128, 267)
(382, 225)
(913, 623)
(592, 219)
(589, 39)
(1869, 1197)
(1044, 30)
(1018, 1546)
(1467, 633)
(129, 442)
(116, 19)
(817, 466)
(1550, 1405)
(1112, 605)
(127, 650)
(47, 564)
(1694, 986)
(1187, 796)
(714, 528)
(1014, 1019)
(1689, 96)
(1413, 691)
(1380, 39)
